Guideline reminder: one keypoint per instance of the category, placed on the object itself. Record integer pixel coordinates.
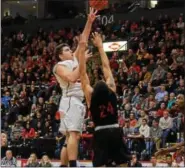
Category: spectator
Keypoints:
(157, 75)
(162, 92)
(38, 118)
(155, 134)
(153, 116)
(142, 116)
(38, 129)
(4, 139)
(13, 111)
(127, 130)
(32, 161)
(55, 97)
(180, 89)
(127, 110)
(133, 121)
(28, 132)
(45, 162)
(90, 127)
(145, 75)
(166, 124)
(161, 110)
(180, 24)
(9, 160)
(7, 129)
(136, 96)
(171, 101)
(144, 129)
(134, 162)
(5, 99)
(16, 131)
(153, 160)
(131, 58)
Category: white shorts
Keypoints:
(72, 113)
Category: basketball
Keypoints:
(98, 4)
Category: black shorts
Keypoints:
(108, 147)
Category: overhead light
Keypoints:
(153, 3)
(18, 2)
(34, 6)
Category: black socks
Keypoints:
(72, 163)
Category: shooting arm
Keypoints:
(67, 75)
(87, 29)
(87, 89)
(86, 33)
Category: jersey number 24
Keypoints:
(106, 110)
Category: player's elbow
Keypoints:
(83, 73)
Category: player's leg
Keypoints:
(74, 121)
(120, 153)
(72, 148)
(63, 129)
(63, 153)
(100, 148)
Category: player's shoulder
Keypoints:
(65, 62)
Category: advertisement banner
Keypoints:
(115, 46)
(83, 163)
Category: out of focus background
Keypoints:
(145, 42)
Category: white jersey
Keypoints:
(69, 89)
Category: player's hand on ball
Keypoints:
(92, 15)
(97, 40)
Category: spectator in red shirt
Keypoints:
(114, 64)
(133, 121)
(28, 132)
(134, 68)
(133, 26)
(161, 110)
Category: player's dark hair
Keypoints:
(59, 50)
(100, 93)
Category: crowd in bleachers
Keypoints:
(149, 79)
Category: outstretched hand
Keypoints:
(97, 40)
(88, 55)
(92, 15)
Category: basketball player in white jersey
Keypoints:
(72, 111)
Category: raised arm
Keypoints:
(87, 89)
(86, 32)
(97, 40)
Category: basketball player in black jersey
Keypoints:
(102, 101)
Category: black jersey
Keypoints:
(103, 105)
